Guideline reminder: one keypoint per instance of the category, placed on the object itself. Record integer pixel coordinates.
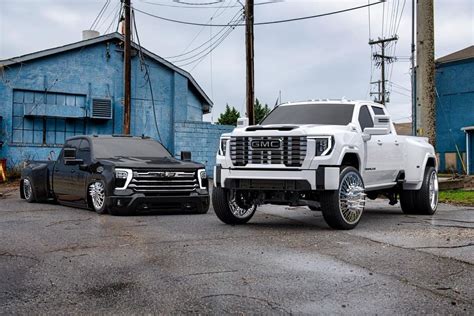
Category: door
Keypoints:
(63, 183)
(79, 177)
(373, 150)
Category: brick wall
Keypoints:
(200, 138)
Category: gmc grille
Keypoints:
(291, 153)
(164, 182)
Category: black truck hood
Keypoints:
(153, 163)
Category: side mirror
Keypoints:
(376, 131)
(242, 122)
(84, 167)
(69, 153)
(186, 156)
(382, 121)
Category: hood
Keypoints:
(290, 130)
(153, 163)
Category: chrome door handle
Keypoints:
(379, 143)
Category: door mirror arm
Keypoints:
(366, 137)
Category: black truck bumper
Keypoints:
(143, 203)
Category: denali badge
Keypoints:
(165, 174)
(266, 144)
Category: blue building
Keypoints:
(48, 96)
(455, 111)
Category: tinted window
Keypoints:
(73, 143)
(128, 147)
(324, 114)
(365, 119)
(84, 151)
(378, 111)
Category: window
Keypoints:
(74, 143)
(324, 114)
(378, 110)
(84, 151)
(44, 130)
(365, 119)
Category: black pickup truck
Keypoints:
(118, 174)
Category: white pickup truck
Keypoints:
(327, 155)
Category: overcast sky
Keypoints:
(327, 57)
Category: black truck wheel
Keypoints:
(204, 206)
(343, 208)
(27, 190)
(97, 196)
(425, 200)
(231, 206)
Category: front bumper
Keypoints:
(140, 202)
(322, 178)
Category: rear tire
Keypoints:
(27, 190)
(343, 208)
(204, 207)
(425, 200)
(226, 207)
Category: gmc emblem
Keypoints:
(266, 144)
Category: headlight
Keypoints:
(323, 145)
(223, 146)
(202, 178)
(122, 178)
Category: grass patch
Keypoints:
(457, 197)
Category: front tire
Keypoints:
(97, 196)
(425, 200)
(27, 190)
(343, 208)
(231, 208)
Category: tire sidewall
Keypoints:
(32, 198)
(221, 205)
(344, 172)
(426, 189)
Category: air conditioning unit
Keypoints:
(101, 109)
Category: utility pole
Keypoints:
(425, 71)
(249, 48)
(127, 69)
(381, 59)
(413, 80)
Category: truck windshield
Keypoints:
(324, 114)
(106, 148)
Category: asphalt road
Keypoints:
(58, 260)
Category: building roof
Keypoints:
(403, 128)
(99, 39)
(462, 54)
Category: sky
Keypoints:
(326, 57)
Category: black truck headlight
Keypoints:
(122, 178)
(202, 178)
(223, 146)
(323, 145)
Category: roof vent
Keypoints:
(102, 109)
(88, 34)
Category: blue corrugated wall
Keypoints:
(454, 108)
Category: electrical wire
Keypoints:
(260, 23)
(100, 14)
(117, 11)
(206, 42)
(147, 76)
(201, 6)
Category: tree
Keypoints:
(260, 111)
(229, 117)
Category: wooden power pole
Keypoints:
(381, 60)
(425, 71)
(249, 48)
(127, 69)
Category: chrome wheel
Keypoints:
(351, 198)
(433, 190)
(239, 206)
(97, 194)
(27, 189)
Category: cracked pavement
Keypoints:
(58, 260)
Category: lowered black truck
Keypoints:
(118, 174)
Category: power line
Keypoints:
(261, 23)
(147, 75)
(202, 6)
(100, 14)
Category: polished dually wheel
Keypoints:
(27, 189)
(97, 193)
(351, 197)
(239, 207)
(433, 190)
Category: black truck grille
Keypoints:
(164, 182)
(290, 152)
